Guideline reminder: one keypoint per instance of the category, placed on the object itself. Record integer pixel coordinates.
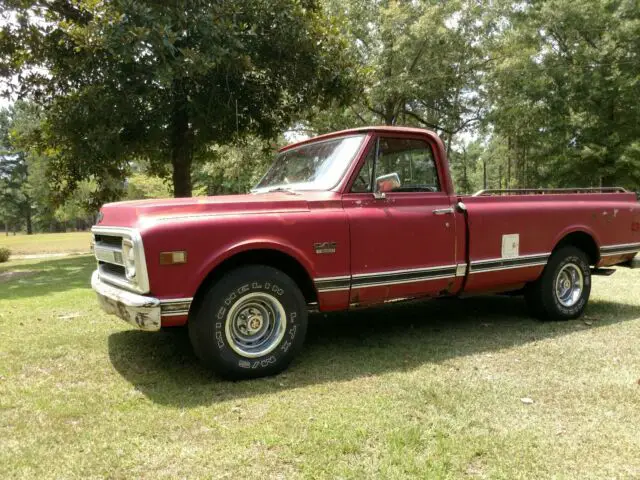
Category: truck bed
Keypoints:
(511, 233)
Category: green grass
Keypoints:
(430, 390)
(43, 243)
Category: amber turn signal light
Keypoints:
(172, 258)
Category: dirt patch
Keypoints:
(8, 276)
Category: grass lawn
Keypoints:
(41, 243)
(430, 390)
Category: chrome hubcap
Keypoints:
(255, 324)
(569, 285)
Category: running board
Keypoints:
(605, 272)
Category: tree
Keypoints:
(162, 81)
(14, 193)
(141, 186)
(468, 165)
(27, 200)
(235, 168)
(564, 94)
(421, 63)
(76, 212)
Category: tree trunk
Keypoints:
(449, 142)
(509, 151)
(390, 112)
(27, 214)
(181, 161)
(389, 118)
(181, 143)
(465, 180)
(484, 174)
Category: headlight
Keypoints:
(129, 255)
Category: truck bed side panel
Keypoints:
(511, 238)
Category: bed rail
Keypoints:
(547, 191)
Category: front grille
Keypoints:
(108, 240)
(111, 269)
(108, 250)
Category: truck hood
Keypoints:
(135, 213)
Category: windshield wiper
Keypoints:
(276, 189)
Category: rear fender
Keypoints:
(576, 229)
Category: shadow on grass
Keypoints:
(345, 346)
(45, 276)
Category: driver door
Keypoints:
(402, 226)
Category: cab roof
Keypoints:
(370, 129)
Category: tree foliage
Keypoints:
(421, 63)
(564, 96)
(235, 168)
(15, 201)
(525, 94)
(27, 201)
(163, 80)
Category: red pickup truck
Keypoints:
(350, 219)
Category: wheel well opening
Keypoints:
(584, 242)
(272, 258)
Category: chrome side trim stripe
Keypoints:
(507, 267)
(621, 252)
(391, 277)
(403, 276)
(414, 275)
(622, 246)
(497, 264)
(407, 271)
(175, 307)
(621, 249)
(332, 284)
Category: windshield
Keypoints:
(316, 166)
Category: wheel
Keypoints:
(251, 323)
(562, 291)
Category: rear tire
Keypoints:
(251, 323)
(563, 289)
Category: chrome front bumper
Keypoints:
(140, 311)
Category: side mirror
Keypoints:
(386, 183)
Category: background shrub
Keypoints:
(5, 253)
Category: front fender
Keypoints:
(225, 252)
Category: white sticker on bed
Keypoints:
(510, 245)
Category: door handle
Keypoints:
(443, 211)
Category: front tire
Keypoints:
(563, 289)
(251, 323)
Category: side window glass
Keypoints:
(362, 183)
(408, 162)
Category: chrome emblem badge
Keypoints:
(324, 247)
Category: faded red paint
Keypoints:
(400, 233)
